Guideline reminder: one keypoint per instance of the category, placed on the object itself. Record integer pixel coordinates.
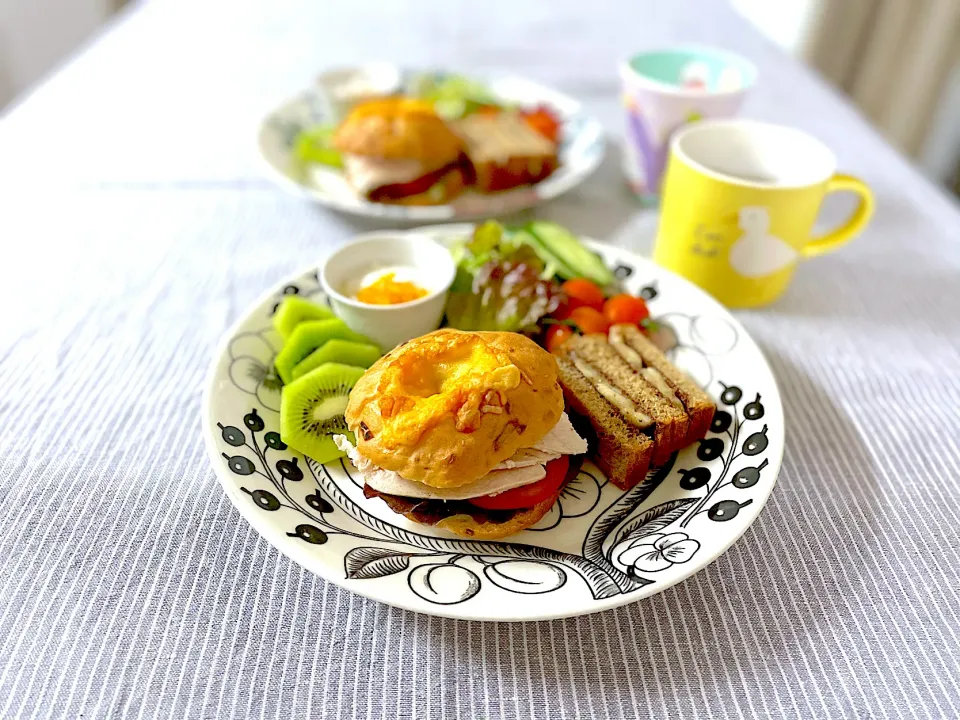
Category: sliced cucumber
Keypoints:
(550, 259)
(570, 253)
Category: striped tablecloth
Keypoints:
(135, 226)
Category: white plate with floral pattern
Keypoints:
(598, 548)
(581, 151)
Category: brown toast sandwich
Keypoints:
(623, 451)
(504, 151)
(646, 358)
(642, 409)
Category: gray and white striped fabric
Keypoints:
(135, 228)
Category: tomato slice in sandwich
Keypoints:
(528, 495)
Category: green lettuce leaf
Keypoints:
(505, 293)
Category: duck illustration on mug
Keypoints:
(757, 253)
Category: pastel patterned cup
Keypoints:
(664, 90)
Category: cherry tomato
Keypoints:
(528, 495)
(562, 312)
(544, 122)
(590, 320)
(582, 293)
(556, 336)
(625, 309)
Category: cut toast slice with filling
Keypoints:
(504, 151)
(646, 358)
(665, 421)
(623, 451)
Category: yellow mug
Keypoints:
(739, 202)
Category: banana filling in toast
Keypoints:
(643, 356)
(642, 409)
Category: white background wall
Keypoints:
(786, 22)
(35, 35)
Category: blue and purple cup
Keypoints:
(663, 90)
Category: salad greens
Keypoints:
(560, 251)
(490, 241)
(505, 293)
(453, 96)
(507, 278)
(315, 145)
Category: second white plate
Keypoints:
(581, 151)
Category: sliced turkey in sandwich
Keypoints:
(525, 467)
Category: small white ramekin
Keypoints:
(389, 325)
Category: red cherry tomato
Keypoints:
(562, 312)
(528, 495)
(544, 122)
(556, 336)
(582, 293)
(625, 309)
(590, 321)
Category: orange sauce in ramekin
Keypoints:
(387, 290)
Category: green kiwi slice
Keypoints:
(311, 410)
(306, 338)
(295, 310)
(346, 352)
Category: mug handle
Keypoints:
(850, 229)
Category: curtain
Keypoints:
(892, 57)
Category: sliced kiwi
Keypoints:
(307, 337)
(295, 310)
(311, 410)
(345, 352)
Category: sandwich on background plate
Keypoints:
(464, 431)
(506, 151)
(398, 150)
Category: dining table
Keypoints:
(138, 223)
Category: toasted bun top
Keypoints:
(398, 128)
(448, 407)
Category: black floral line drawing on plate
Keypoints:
(712, 448)
(502, 561)
(641, 544)
(709, 335)
(251, 353)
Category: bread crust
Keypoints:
(468, 527)
(398, 128)
(621, 451)
(699, 405)
(671, 423)
(446, 408)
